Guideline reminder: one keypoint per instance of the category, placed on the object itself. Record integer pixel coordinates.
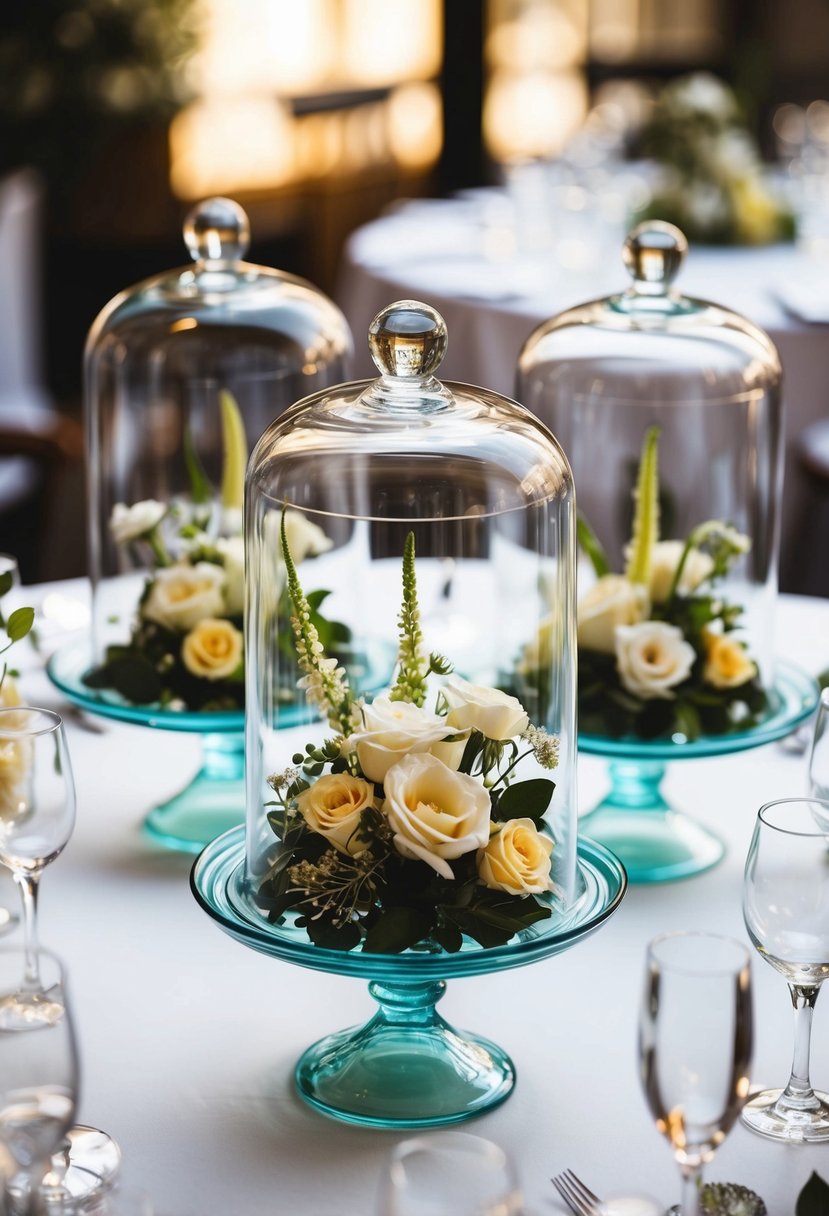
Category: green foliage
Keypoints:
(412, 671)
(646, 518)
(525, 800)
(813, 1200)
(19, 623)
(729, 1199)
(591, 545)
(201, 489)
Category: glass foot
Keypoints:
(407, 1068)
(80, 1172)
(770, 1114)
(654, 841)
(213, 801)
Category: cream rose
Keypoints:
(333, 806)
(516, 859)
(213, 649)
(665, 559)
(131, 523)
(436, 814)
(726, 663)
(611, 601)
(305, 538)
(495, 714)
(652, 658)
(232, 550)
(182, 595)
(392, 729)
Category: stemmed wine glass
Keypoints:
(38, 1072)
(819, 756)
(449, 1174)
(695, 1043)
(37, 805)
(786, 910)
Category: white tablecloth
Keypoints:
(189, 1040)
(446, 253)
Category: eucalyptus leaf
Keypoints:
(19, 623)
(6, 582)
(526, 799)
(332, 937)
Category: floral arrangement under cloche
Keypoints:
(410, 826)
(659, 648)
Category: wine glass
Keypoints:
(38, 1072)
(786, 910)
(819, 757)
(37, 805)
(449, 1174)
(695, 1041)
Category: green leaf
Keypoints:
(688, 720)
(526, 799)
(813, 1200)
(646, 519)
(333, 937)
(591, 545)
(397, 929)
(19, 623)
(129, 674)
(235, 459)
(6, 582)
(449, 936)
(201, 491)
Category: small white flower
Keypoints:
(131, 523)
(652, 658)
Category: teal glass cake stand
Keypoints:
(407, 1067)
(656, 841)
(214, 800)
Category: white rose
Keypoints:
(232, 550)
(305, 539)
(333, 806)
(517, 859)
(392, 729)
(495, 714)
(182, 595)
(612, 600)
(131, 523)
(652, 658)
(436, 814)
(666, 556)
(232, 521)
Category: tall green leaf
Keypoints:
(646, 519)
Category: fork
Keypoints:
(578, 1197)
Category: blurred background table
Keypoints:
(494, 282)
(189, 1040)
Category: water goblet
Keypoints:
(37, 805)
(449, 1174)
(695, 1043)
(819, 755)
(786, 910)
(38, 1072)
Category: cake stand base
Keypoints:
(213, 802)
(654, 841)
(406, 1068)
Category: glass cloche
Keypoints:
(182, 374)
(410, 698)
(669, 409)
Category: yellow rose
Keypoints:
(182, 595)
(213, 650)
(517, 859)
(726, 663)
(333, 806)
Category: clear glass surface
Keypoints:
(600, 374)
(786, 911)
(38, 1072)
(819, 754)
(695, 1045)
(449, 1174)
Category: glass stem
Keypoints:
(691, 1184)
(28, 885)
(798, 1092)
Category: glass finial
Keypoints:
(653, 254)
(217, 230)
(407, 339)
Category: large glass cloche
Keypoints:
(410, 700)
(182, 374)
(669, 409)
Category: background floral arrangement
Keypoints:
(711, 181)
(657, 650)
(409, 826)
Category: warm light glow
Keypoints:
(415, 125)
(384, 41)
(533, 114)
(232, 143)
(542, 35)
(277, 46)
(614, 29)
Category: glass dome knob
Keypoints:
(653, 254)
(407, 339)
(217, 230)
